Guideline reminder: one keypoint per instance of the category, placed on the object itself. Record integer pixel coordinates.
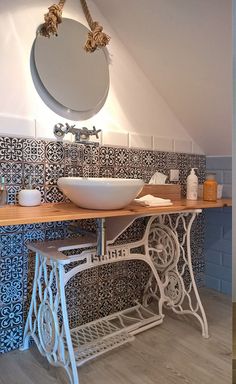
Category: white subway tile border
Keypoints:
(116, 139)
(14, 126)
(140, 141)
(165, 144)
(184, 146)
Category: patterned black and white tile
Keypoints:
(11, 149)
(33, 151)
(96, 292)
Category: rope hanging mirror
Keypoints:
(71, 82)
(96, 37)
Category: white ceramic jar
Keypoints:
(29, 197)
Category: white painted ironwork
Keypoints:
(182, 293)
(168, 254)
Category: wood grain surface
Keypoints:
(165, 191)
(15, 214)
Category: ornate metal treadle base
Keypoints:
(95, 338)
(168, 255)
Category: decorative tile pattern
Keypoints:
(11, 291)
(74, 154)
(135, 157)
(91, 155)
(53, 195)
(11, 268)
(13, 173)
(53, 172)
(160, 161)
(11, 315)
(12, 194)
(11, 244)
(10, 338)
(121, 173)
(33, 150)
(99, 291)
(10, 229)
(55, 234)
(107, 157)
(55, 152)
(171, 160)
(135, 173)
(73, 170)
(105, 172)
(11, 149)
(149, 159)
(37, 173)
(90, 171)
(121, 157)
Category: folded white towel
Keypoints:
(152, 201)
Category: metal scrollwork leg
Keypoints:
(47, 321)
(165, 247)
(163, 250)
(175, 288)
(170, 250)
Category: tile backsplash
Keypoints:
(46, 161)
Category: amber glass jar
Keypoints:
(210, 188)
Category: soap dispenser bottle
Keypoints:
(192, 185)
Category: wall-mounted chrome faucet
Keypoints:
(81, 134)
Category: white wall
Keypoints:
(185, 49)
(134, 109)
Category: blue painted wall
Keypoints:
(218, 235)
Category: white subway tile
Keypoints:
(163, 144)
(17, 126)
(44, 131)
(119, 139)
(184, 146)
(140, 141)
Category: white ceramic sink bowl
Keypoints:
(100, 193)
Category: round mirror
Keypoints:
(72, 82)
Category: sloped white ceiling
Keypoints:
(185, 49)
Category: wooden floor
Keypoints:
(172, 353)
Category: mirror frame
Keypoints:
(48, 95)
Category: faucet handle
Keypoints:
(81, 134)
(95, 131)
(59, 130)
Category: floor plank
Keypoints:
(172, 353)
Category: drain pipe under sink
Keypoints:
(101, 237)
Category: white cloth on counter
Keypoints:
(152, 201)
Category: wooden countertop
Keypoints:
(15, 214)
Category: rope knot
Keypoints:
(52, 19)
(96, 38)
